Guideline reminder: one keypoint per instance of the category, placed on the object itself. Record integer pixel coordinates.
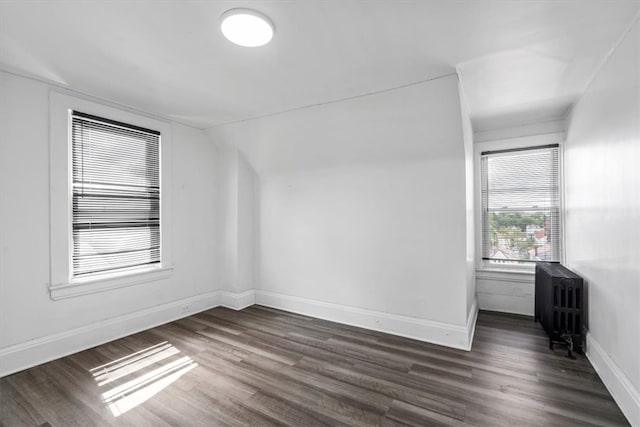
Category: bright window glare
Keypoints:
(246, 28)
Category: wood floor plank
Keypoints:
(266, 367)
(15, 410)
(445, 405)
(417, 416)
(367, 399)
(300, 394)
(287, 412)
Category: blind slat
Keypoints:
(115, 195)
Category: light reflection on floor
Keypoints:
(134, 387)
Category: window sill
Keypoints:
(101, 284)
(493, 270)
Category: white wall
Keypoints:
(27, 314)
(469, 167)
(248, 229)
(363, 207)
(602, 169)
(532, 129)
(506, 292)
(227, 174)
(373, 237)
(238, 230)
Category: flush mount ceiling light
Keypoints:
(246, 27)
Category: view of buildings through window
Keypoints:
(520, 236)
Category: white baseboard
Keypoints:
(456, 336)
(237, 300)
(35, 352)
(623, 391)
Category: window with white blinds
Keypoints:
(115, 196)
(521, 205)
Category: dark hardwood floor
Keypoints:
(261, 366)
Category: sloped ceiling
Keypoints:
(518, 60)
(404, 125)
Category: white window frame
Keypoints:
(507, 144)
(62, 284)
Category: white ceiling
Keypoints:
(519, 61)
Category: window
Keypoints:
(110, 197)
(115, 195)
(520, 195)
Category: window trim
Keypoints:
(518, 143)
(62, 284)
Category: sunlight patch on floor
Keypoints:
(136, 387)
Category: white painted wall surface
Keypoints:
(226, 169)
(507, 292)
(237, 222)
(602, 169)
(374, 237)
(532, 129)
(363, 202)
(247, 225)
(26, 310)
(469, 166)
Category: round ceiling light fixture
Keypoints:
(246, 27)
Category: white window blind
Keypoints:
(115, 195)
(521, 205)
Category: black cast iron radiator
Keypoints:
(559, 305)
